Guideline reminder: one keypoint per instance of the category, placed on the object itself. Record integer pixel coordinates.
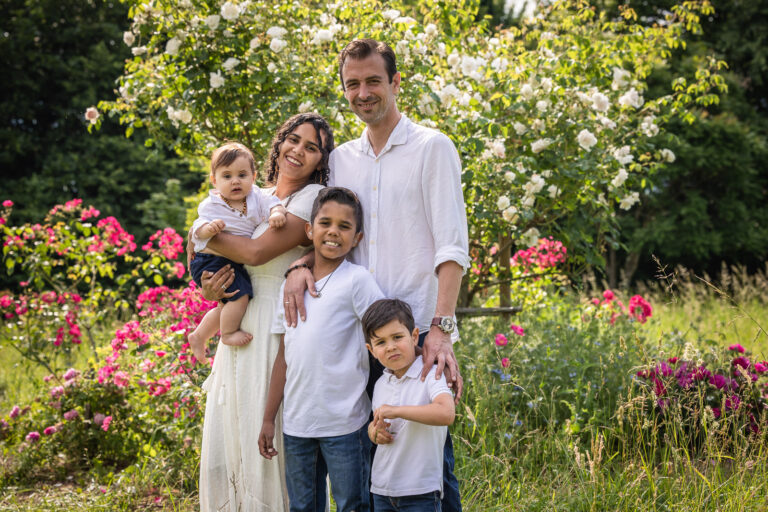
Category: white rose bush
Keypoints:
(551, 120)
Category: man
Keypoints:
(408, 179)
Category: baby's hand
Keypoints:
(277, 217)
(211, 229)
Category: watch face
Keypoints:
(446, 324)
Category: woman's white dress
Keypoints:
(234, 477)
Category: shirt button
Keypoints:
(375, 187)
(371, 271)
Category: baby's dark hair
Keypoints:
(383, 311)
(339, 195)
(228, 153)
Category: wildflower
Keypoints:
(517, 330)
(608, 295)
(57, 391)
(33, 436)
(501, 340)
(761, 367)
(105, 423)
(15, 411)
(121, 379)
(732, 402)
(640, 308)
(716, 412)
(504, 362)
(741, 361)
(738, 348)
(672, 360)
(526, 91)
(322, 36)
(586, 139)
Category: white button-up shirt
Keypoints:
(413, 208)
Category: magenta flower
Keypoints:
(761, 367)
(49, 431)
(738, 348)
(608, 295)
(732, 402)
(98, 418)
(672, 360)
(517, 330)
(57, 391)
(70, 415)
(105, 423)
(716, 412)
(504, 362)
(7, 203)
(501, 340)
(121, 379)
(33, 436)
(15, 411)
(70, 374)
(741, 361)
(719, 381)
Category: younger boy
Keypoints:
(321, 369)
(410, 417)
(234, 206)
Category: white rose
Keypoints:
(546, 84)
(139, 50)
(520, 128)
(631, 98)
(322, 36)
(254, 43)
(586, 139)
(431, 29)
(530, 237)
(404, 19)
(185, 116)
(547, 173)
(213, 21)
(305, 107)
(277, 45)
(498, 149)
(510, 214)
(502, 203)
(271, 67)
(540, 145)
(600, 102)
(129, 38)
(453, 59)
(499, 64)
(526, 91)
(277, 32)
(623, 155)
(216, 80)
(648, 127)
(629, 201)
(172, 46)
(509, 176)
(667, 155)
(606, 122)
(528, 201)
(620, 78)
(620, 178)
(535, 185)
(538, 125)
(91, 114)
(542, 105)
(230, 11)
(553, 191)
(230, 64)
(391, 14)
(401, 48)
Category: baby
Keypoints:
(235, 206)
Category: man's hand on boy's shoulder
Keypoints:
(438, 349)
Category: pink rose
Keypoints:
(33, 436)
(738, 348)
(608, 295)
(501, 340)
(504, 362)
(517, 330)
(7, 203)
(70, 415)
(105, 423)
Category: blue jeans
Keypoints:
(451, 497)
(347, 459)
(429, 502)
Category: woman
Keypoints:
(233, 476)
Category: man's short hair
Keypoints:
(383, 311)
(339, 195)
(361, 49)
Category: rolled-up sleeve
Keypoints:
(444, 202)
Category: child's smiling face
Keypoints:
(334, 231)
(394, 346)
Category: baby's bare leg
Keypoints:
(204, 331)
(231, 316)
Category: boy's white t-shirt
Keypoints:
(213, 207)
(413, 463)
(327, 362)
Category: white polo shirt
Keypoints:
(213, 207)
(326, 356)
(413, 210)
(412, 463)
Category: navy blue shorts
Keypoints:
(212, 263)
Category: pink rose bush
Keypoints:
(612, 309)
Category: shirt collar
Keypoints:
(398, 136)
(413, 372)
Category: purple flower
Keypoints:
(49, 431)
(719, 381)
(664, 369)
(732, 402)
(741, 361)
(33, 436)
(716, 412)
(761, 367)
(70, 415)
(70, 374)
(738, 348)
(15, 411)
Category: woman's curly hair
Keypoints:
(320, 175)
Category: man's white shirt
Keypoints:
(413, 207)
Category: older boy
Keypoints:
(322, 369)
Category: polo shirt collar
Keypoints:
(398, 136)
(413, 372)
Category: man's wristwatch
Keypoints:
(445, 323)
